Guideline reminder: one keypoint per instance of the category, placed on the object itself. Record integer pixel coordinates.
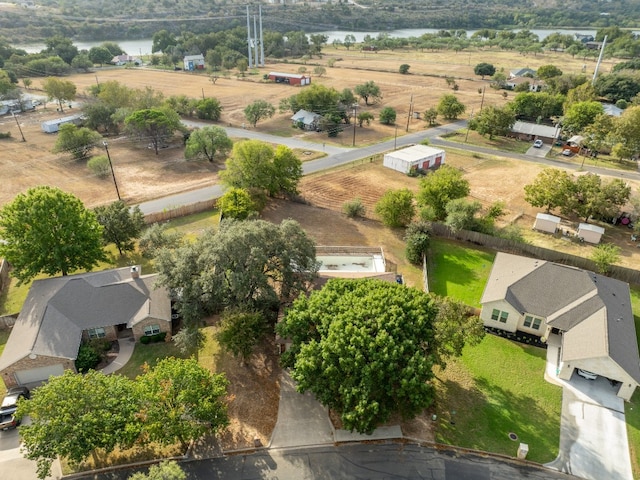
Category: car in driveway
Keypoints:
(10, 405)
(538, 143)
(566, 152)
(587, 374)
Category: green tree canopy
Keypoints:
(387, 116)
(256, 165)
(626, 130)
(165, 470)
(368, 91)
(74, 416)
(59, 90)
(182, 401)
(256, 111)
(241, 331)
(551, 189)
(152, 125)
(49, 231)
(316, 98)
(396, 208)
(484, 69)
(207, 142)
(493, 121)
(162, 40)
(251, 264)
(591, 197)
(580, 115)
(78, 141)
(364, 348)
(439, 188)
(450, 107)
(209, 109)
(236, 203)
(533, 105)
(548, 71)
(121, 225)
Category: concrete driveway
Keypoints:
(13, 465)
(593, 431)
(539, 152)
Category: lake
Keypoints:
(143, 47)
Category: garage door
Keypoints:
(38, 374)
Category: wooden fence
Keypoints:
(4, 274)
(183, 211)
(628, 275)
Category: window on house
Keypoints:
(151, 329)
(96, 332)
(499, 316)
(532, 322)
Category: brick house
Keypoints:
(59, 313)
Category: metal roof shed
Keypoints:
(546, 223)
(413, 158)
(590, 233)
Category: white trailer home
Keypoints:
(414, 158)
(52, 126)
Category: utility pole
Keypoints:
(482, 101)
(106, 147)
(395, 139)
(468, 126)
(410, 109)
(355, 109)
(249, 40)
(261, 38)
(19, 127)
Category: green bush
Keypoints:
(145, 340)
(99, 166)
(417, 241)
(5, 135)
(159, 337)
(88, 357)
(354, 208)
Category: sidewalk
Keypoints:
(124, 354)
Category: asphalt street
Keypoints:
(337, 156)
(357, 461)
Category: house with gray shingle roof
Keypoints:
(60, 312)
(590, 313)
(308, 120)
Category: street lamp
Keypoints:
(106, 147)
(355, 109)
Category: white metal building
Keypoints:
(546, 223)
(413, 158)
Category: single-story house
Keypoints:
(290, 78)
(546, 223)
(534, 131)
(193, 62)
(593, 45)
(584, 37)
(52, 126)
(522, 72)
(414, 158)
(590, 233)
(309, 120)
(589, 314)
(126, 59)
(60, 312)
(534, 85)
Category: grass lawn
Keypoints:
(458, 271)
(632, 408)
(496, 388)
(498, 143)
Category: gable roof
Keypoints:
(57, 311)
(194, 57)
(519, 72)
(535, 129)
(594, 311)
(305, 117)
(416, 152)
(287, 75)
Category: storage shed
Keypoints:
(590, 233)
(290, 78)
(546, 223)
(413, 158)
(52, 126)
(193, 62)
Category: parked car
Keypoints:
(538, 143)
(9, 407)
(587, 374)
(566, 152)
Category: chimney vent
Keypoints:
(135, 271)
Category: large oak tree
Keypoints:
(46, 230)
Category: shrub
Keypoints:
(404, 68)
(424, 141)
(417, 241)
(145, 340)
(387, 116)
(354, 208)
(159, 337)
(5, 135)
(88, 357)
(99, 166)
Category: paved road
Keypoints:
(336, 156)
(359, 461)
(339, 156)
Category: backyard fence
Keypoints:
(425, 274)
(182, 211)
(4, 274)
(628, 275)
